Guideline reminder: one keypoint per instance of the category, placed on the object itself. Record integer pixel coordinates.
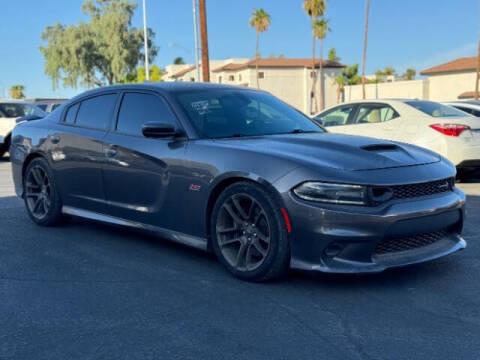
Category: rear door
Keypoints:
(77, 151)
(143, 176)
(376, 120)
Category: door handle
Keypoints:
(110, 152)
(55, 139)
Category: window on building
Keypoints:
(137, 109)
(192, 79)
(96, 112)
(231, 78)
(239, 77)
(261, 75)
(219, 79)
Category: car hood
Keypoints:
(338, 151)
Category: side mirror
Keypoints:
(159, 130)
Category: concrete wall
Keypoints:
(446, 87)
(412, 89)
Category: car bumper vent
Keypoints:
(387, 246)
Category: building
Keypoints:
(445, 82)
(452, 80)
(287, 78)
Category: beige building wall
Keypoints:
(411, 89)
(447, 87)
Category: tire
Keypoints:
(40, 193)
(239, 237)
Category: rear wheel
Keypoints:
(248, 233)
(41, 196)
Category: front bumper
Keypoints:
(344, 239)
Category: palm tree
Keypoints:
(320, 30)
(365, 38)
(16, 92)
(314, 9)
(260, 20)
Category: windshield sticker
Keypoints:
(201, 107)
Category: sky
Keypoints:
(402, 34)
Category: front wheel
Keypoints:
(40, 194)
(248, 233)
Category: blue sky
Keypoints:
(408, 33)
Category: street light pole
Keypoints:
(145, 39)
(195, 32)
(204, 38)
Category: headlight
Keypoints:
(333, 193)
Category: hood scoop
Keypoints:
(380, 147)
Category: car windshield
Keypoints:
(232, 113)
(14, 110)
(435, 109)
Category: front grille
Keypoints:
(422, 189)
(393, 245)
(408, 191)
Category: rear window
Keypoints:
(96, 112)
(435, 109)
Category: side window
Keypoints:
(138, 109)
(374, 113)
(71, 114)
(469, 110)
(96, 112)
(336, 117)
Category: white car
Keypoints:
(444, 129)
(470, 106)
(10, 112)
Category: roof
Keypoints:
(467, 95)
(461, 64)
(183, 72)
(279, 62)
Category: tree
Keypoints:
(16, 92)
(260, 20)
(382, 74)
(332, 55)
(364, 57)
(314, 9)
(179, 61)
(102, 51)
(350, 73)
(320, 30)
(139, 76)
(409, 74)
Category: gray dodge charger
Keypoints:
(240, 173)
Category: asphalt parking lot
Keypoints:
(92, 291)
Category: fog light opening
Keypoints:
(333, 250)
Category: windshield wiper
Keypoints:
(301, 131)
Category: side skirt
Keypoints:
(189, 240)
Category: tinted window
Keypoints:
(43, 107)
(14, 110)
(338, 116)
(435, 109)
(96, 112)
(71, 114)
(227, 113)
(374, 113)
(469, 110)
(138, 109)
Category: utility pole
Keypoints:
(204, 38)
(145, 39)
(195, 32)
(365, 39)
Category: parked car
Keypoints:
(47, 105)
(10, 112)
(470, 106)
(437, 127)
(238, 172)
